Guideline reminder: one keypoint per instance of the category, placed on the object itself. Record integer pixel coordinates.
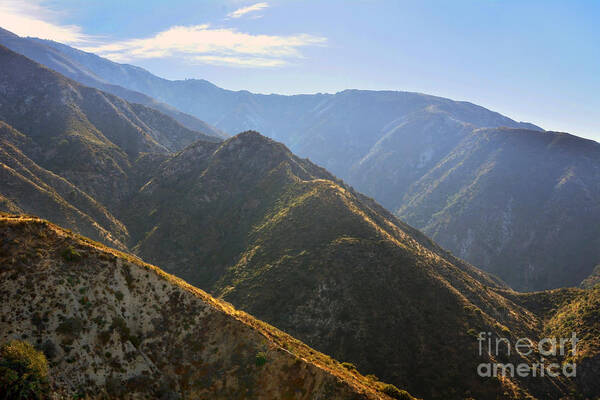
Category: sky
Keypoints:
(532, 60)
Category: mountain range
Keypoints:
(444, 166)
(70, 68)
(274, 234)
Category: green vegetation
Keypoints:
(174, 345)
(261, 358)
(349, 366)
(71, 327)
(593, 279)
(23, 372)
(70, 254)
(396, 393)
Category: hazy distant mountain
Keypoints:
(69, 152)
(113, 327)
(524, 205)
(39, 51)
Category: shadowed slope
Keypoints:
(29, 188)
(518, 203)
(283, 239)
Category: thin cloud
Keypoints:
(240, 61)
(32, 19)
(240, 12)
(201, 42)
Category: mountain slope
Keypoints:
(502, 197)
(53, 58)
(283, 239)
(114, 326)
(29, 188)
(87, 136)
(566, 312)
(593, 279)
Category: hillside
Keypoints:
(593, 279)
(284, 240)
(568, 311)
(111, 325)
(39, 51)
(31, 189)
(502, 198)
(70, 153)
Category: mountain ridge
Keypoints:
(38, 51)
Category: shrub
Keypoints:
(49, 349)
(70, 254)
(349, 366)
(120, 325)
(23, 372)
(70, 327)
(473, 332)
(261, 358)
(396, 393)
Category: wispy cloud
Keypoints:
(203, 43)
(196, 43)
(240, 12)
(31, 18)
(240, 61)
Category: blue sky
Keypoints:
(536, 61)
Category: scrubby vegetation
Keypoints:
(70, 254)
(396, 393)
(261, 358)
(160, 338)
(23, 372)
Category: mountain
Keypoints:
(391, 145)
(286, 241)
(593, 279)
(46, 55)
(69, 151)
(566, 312)
(502, 198)
(272, 233)
(29, 188)
(112, 326)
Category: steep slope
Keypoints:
(593, 279)
(582, 315)
(502, 198)
(283, 239)
(53, 58)
(87, 136)
(566, 312)
(113, 326)
(27, 187)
